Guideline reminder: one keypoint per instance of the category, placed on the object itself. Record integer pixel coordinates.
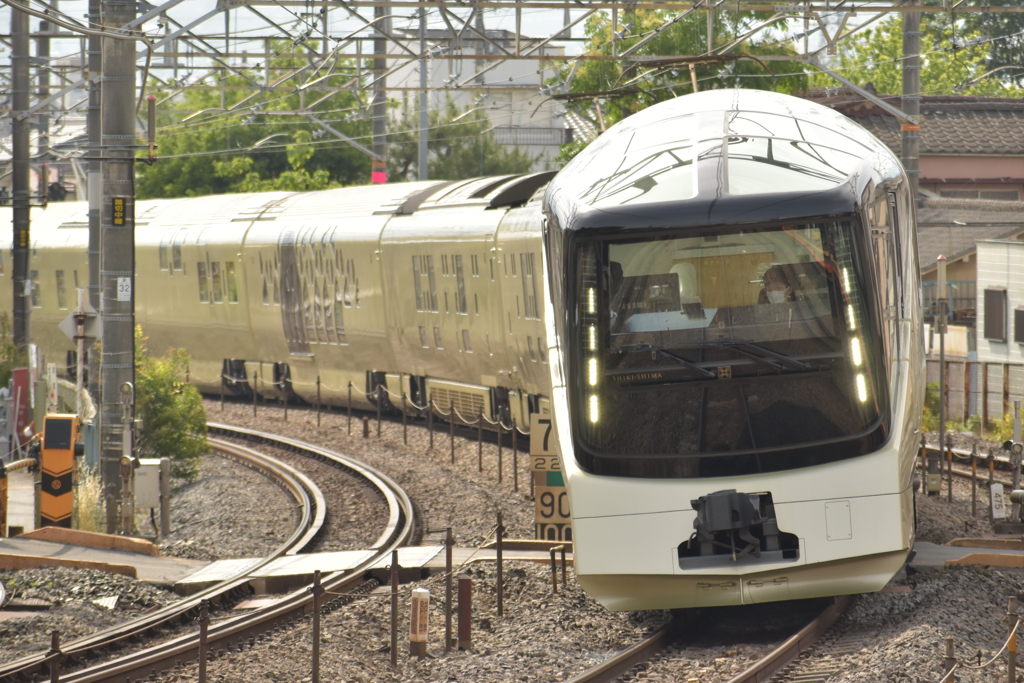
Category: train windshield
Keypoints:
(725, 352)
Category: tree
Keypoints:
(459, 147)
(255, 148)
(10, 356)
(1005, 33)
(172, 413)
(954, 60)
(618, 88)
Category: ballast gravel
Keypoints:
(546, 637)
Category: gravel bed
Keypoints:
(228, 512)
(74, 614)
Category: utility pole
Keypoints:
(381, 25)
(43, 72)
(911, 132)
(422, 159)
(117, 238)
(20, 173)
(94, 126)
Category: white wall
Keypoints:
(1000, 265)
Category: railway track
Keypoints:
(232, 632)
(659, 649)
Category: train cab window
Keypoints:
(34, 284)
(204, 288)
(215, 279)
(62, 296)
(753, 349)
(229, 270)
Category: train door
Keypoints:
(291, 294)
(887, 248)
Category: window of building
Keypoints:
(993, 195)
(204, 288)
(62, 297)
(1018, 325)
(995, 314)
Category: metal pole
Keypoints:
(451, 428)
(94, 128)
(318, 400)
(912, 98)
(117, 233)
(465, 613)
(165, 497)
(382, 22)
(974, 481)
(430, 422)
(934, 461)
(43, 75)
(405, 419)
(20, 170)
(449, 542)
(1011, 650)
(350, 408)
(318, 591)
(204, 625)
(378, 399)
(255, 393)
(480, 440)
(499, 532)
(515, 458)
(394, 609)
(55, 656)
(423, 157)
(500, 429)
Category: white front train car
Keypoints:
(737, 334)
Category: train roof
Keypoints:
(726, 156)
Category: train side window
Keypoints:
(527, 264)
(423, 337)
(218, 291)
(1, 263)
(529, 345)
(75, 274)
(1018, 325)
(339, 314)
(416, 285)
(475, 265)
(895, 224)
(492, 269)
(62, 296)
(204, 291)
(266, 292)
(229, 268)
(34, 283)
(541, 351)
(176, 251)
(512, 257)
(437, 338)
(461, 284)
(466, 342)
(276, 281)
(433, 284)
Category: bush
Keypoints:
(172, 413)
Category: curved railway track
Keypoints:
(235, 631)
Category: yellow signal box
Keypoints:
(59, 448)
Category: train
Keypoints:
(717, 303)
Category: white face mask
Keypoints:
(776, 297)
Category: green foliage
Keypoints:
(1005, 30)
(172, 413)
(930, 417)
(623, 87)
(254, 149)
(953, 60)
(10, 356)
(459, 147)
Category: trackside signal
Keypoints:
(59, 448)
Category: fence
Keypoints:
(979, 388)
(962, 299)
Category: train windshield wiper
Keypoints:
(773, 359)
(702, 372)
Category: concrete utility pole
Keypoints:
(382, 25)
(20, 173)
(117, 236)
(422, 159)
(94, 127)
(43, 72)
(911, 132)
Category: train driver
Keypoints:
(776, 287)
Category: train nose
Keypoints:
(736, 528)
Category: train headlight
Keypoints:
(592, 371)
(855, 351)
(591, 300)
(862, 388)
(851, 321)
(592, 337)
(593, 409)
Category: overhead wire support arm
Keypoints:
(338, 134)
(861, 91)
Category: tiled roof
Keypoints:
(950, 124)
(952, 227)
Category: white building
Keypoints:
(509, 93)
(1000, 301)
